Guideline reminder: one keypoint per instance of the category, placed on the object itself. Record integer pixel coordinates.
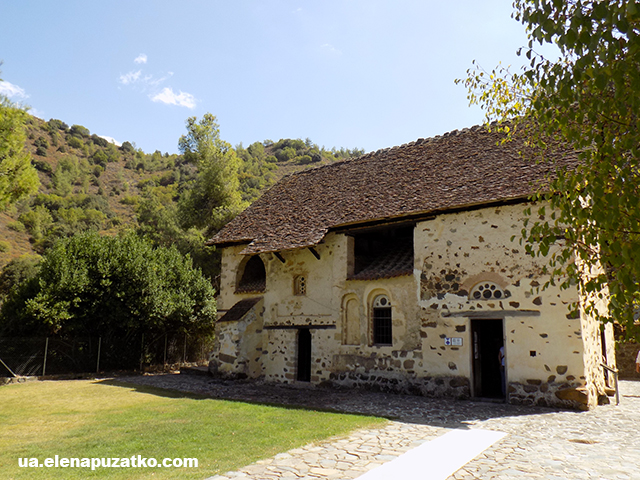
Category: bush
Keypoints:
(79, 131)
(42, 166)
(75, 142)
(101, 142)
(55, 124)
(127, 147)
(5, 246)
(16, 226)
(120, 286)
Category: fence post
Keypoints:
(165, 349)
(98, 362)
(141, 351)
(44, 363)
(184, 353)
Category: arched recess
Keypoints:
(350, 320)
(251, 275)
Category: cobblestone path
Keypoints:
(541, 443)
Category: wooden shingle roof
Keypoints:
(457, 170)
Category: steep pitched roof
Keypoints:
(457, 170)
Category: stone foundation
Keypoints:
(440, 386)
(548, 394)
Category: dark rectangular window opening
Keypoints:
(382, 331)
(383, 253)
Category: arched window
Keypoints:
(300, 285)
(486, 291)
(382, 321)
(253, 277)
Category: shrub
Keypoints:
(75, 142)
(79, 131)
(16, 226)
(57, 124)
(42, 166)
(5, 246)
(101, 142)
(127, 147)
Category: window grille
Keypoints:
(300, 285)
(382, 321)
(486, 291)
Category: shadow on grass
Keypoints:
(176, 393)
(437, 412)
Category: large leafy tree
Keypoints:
(214, 198)
(18, 177)
(590, 99)
(119, 287)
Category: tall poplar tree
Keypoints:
(214, 198)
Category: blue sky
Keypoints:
(354, 73)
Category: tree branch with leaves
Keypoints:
(589, 99)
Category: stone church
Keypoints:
(397, 271)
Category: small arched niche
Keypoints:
(252, 276)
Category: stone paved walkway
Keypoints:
(541, 443)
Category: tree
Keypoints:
(18, 177)
(590, 99)
(116, 287)
(213, 199)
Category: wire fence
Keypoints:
(35, 356)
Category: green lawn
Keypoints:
(94, 419)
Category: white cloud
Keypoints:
(12, 91)
(142, 58)
(168, 96)
(327, 47)
(131, 77)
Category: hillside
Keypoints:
(89, 183)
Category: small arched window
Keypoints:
(382, 321)
(300, 285)
(486, 291)
(254, 276)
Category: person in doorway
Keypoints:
(502, 375)
(638, 362)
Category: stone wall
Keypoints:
(626, 353)
(238, 351)
(454, 253)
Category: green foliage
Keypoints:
(589, 100)
(18, 177)
(111, 287)
(127, 147)
(213, 198)
(16, 226)
(42, 166)
(79, 131)
(55, 124)
(75, 142)
(16, 272)
(5, 246)
(38, 222)
(53, 217)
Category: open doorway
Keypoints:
(488, 339)
(304, 355)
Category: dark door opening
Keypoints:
(304, 355)
(488, 338)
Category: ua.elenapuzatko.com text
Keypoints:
(135, 461)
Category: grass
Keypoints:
(97, 419)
